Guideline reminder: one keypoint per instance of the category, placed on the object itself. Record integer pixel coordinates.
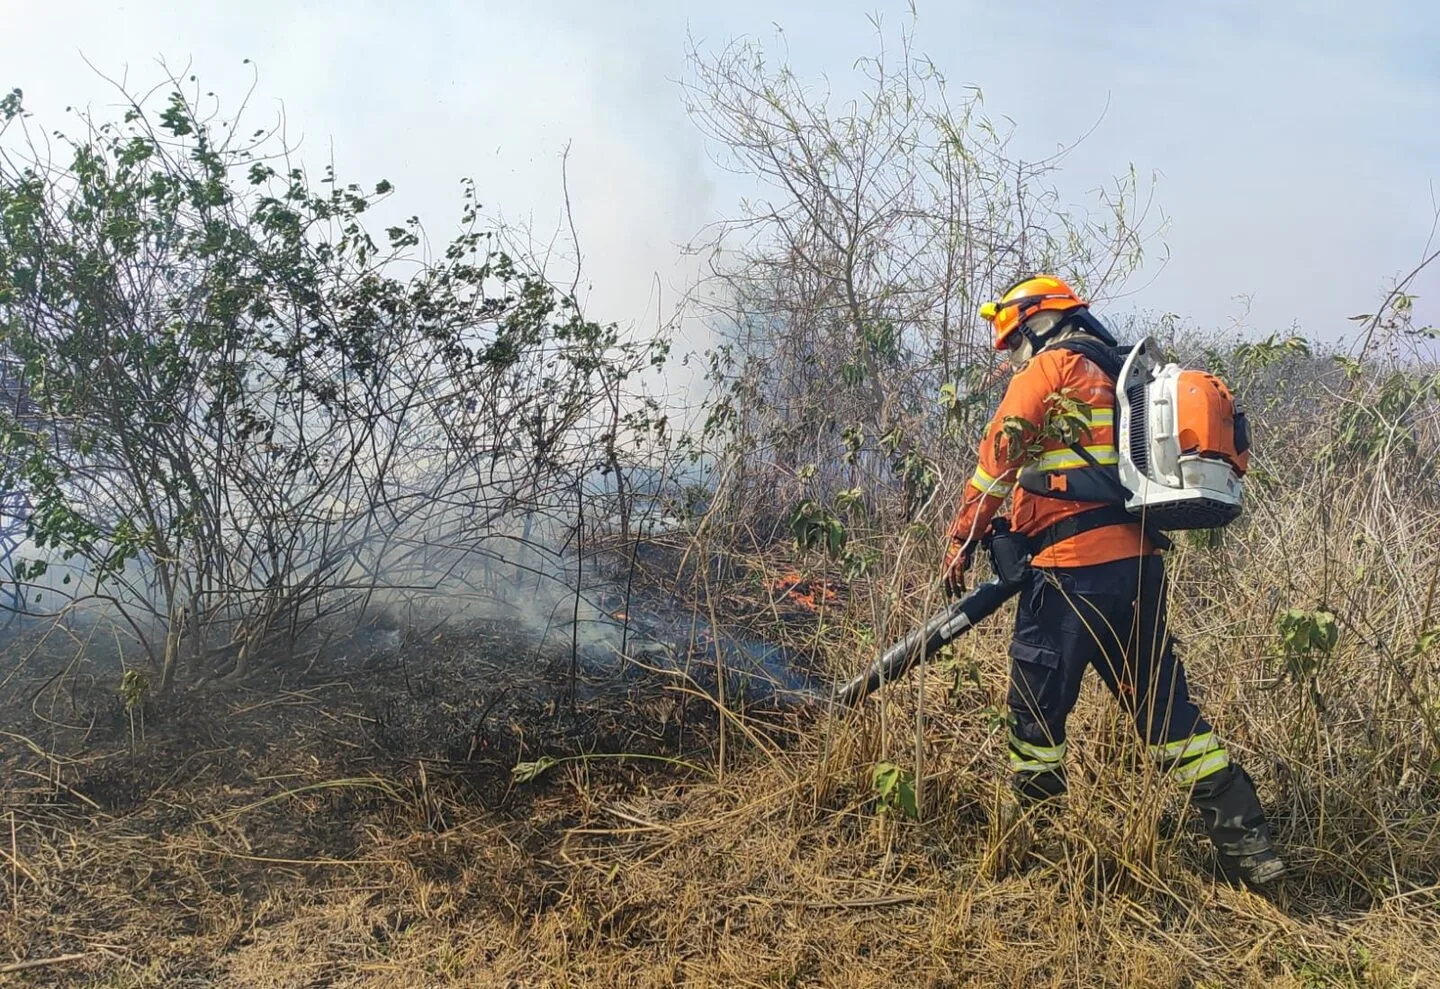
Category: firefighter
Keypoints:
(1098, 587)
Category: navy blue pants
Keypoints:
(1111, 617)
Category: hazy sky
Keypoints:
(1297, 142)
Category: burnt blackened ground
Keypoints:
(474, 697)
(206, 812)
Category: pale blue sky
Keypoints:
(1296, 142)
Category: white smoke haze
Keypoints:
(436, 553)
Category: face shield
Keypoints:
(1039, 325)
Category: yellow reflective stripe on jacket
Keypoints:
(986, 484)
(1197, 769)
(1097, 417)
(1067, 459)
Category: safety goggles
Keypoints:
(990, 311)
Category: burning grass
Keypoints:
(810, 593)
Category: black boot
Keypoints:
(1032, 788)
(1237, 827)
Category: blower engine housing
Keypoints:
(1183, 443)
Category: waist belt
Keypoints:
(1092, 518)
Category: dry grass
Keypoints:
(614, 880)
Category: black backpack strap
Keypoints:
(1073, 525)
(1095, 518)
(1157, 538)
(1109, 359)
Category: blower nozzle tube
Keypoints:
(940, 629)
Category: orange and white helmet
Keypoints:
(1036, 294)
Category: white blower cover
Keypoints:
(1183, 443)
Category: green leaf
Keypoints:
(862, 563)
(894, 789)
(815, 526)
(11, 104)
(883, 777)
(909, 804)
(525, 772)
(133, 687)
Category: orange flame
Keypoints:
(810, 594)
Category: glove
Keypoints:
(952, 571)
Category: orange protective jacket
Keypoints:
(1033, 392)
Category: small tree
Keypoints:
(848, 285)
(235, 412)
